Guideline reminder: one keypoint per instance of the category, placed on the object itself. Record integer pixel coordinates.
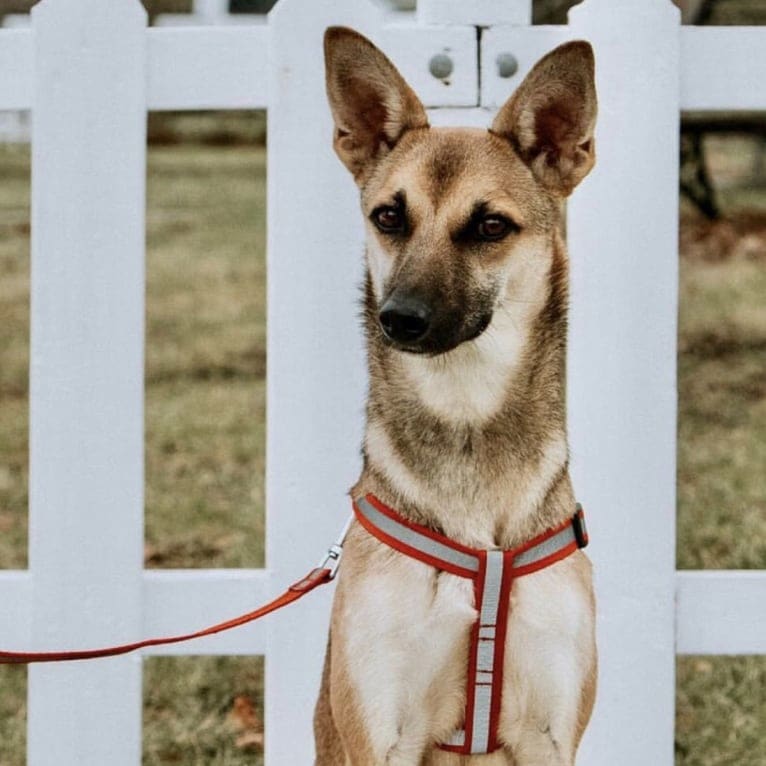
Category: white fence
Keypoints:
(89, 70)
(208, 12)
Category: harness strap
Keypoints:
(492, 573)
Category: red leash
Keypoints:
(321, 575)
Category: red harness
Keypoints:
(492, 572)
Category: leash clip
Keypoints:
(331, 560)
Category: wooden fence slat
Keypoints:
(16, 69)
(623, 238)
(412, 48)
(224, 68)
(211, 10)
(316, 375)
(526, 44)
(86, 376)
(16, 598)
(721, 612)
(474, 13)
(180, 600)
(207, 68)
(723, 68)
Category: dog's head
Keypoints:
(459, 221)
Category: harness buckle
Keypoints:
(331, 560)
(579, 528)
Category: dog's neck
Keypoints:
(473, 442)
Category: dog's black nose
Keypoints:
(405, 319)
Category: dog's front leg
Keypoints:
(551, 665)
(540, 747)
(329, 749)
(380, 743)
(399, 642)
(368, 704)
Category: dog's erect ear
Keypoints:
(371, 104)
(551, 117)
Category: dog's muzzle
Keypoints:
(411, 324)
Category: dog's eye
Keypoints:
(493, 227)
(388, 219)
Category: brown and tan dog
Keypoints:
(465, 317)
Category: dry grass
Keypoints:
(205, 392)
(13, 715)
(205, 357)
(722, 423)
(203, 711)
(14, 354)
(721, 711)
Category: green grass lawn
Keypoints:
(205, 441)
(721, 701)
(205, 357)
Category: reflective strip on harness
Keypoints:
(492, 572)
(546, 548)
(488, 651)
(412, 538)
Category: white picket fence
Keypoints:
(89, 70)
(205, 12)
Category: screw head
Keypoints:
(440, 66)
(507, 64)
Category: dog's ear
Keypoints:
(372, 106)
(551, 117)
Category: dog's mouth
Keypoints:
(437, 342)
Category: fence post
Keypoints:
(316, 373)
(86, 376)
(623, 235)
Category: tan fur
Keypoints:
(469, 436)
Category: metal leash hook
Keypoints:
(331, 559)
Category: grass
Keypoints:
(13, 714)
(203, 711)
(205, 357)
(14, 354)
(722, 422)
(721, 372)
(721, 711)
(205, 438)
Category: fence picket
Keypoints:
(314, 408)
(86, 376)
(475, 13)
(623, 240)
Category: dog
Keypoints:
(465, 312)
